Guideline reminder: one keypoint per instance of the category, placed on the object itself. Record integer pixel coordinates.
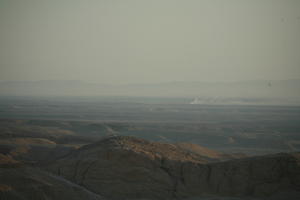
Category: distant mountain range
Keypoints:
(282, 91)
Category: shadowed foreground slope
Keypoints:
(20, 182)
(131, 168)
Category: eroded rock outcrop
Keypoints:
(131, 168)
(19, 181)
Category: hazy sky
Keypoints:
(138, 41)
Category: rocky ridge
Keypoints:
(131, 168)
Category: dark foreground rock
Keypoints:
(130, 168)
(21, 182)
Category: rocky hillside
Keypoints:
(21, 182)
(126, 167)
(131, 168)
(209, 153)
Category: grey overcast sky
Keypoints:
(148, 41)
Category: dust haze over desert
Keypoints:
(149, 99)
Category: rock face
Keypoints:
(120, 167)
(257, 176)
(20, 182)
(131, 168)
